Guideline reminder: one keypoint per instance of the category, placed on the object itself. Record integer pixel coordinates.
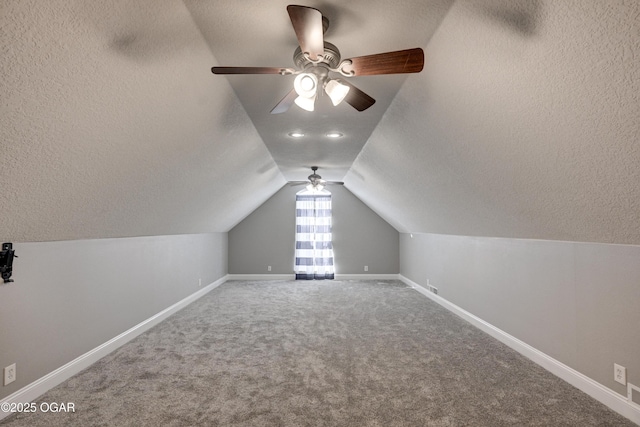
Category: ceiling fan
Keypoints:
(315, 181)
(315, 59)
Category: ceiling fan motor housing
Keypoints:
(330, 59)
(314, 177)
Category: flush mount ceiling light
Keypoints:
(334, 135)
(296, 134)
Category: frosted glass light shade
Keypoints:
(336, 91)
(306, 85)
(305, 103)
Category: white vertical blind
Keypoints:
(314, 250)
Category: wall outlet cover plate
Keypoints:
(10, 374)
(620, 374)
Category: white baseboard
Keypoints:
(292, 276)
(367, 276)
(37, 388)
(267, 276)
(593, 388)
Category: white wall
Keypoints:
(576, 302)
(72, 296)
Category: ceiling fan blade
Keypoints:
(285, 103)
(252, 70)
(307, 23)
(294, 183)
(397, 62)
(357, 98)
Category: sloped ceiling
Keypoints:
(257, 33)
(525, 121)
(112, 125)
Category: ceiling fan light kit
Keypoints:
(315, 59)
(315, 181)
(317, 187)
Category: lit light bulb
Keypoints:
(306, 85)
(334, 135)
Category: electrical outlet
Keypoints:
(431, 288)
(366, 268)
(268, 268)
(620, 374)
(10, 374)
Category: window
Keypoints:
(314, 250)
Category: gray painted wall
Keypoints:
(72, 296)
(576, 302)
(360, 237)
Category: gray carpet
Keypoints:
(323, 353)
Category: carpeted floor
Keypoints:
(323, 353)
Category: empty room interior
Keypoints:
(363, 213)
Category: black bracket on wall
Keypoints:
(6, 261)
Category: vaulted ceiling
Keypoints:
(525, 121)
(256, 35)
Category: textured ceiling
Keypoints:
(525, 121)
(112, 125)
